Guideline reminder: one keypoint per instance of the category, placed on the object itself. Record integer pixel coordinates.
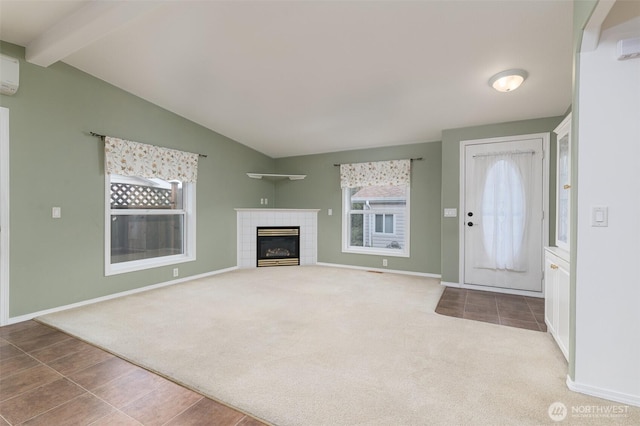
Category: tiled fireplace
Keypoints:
(249, 220)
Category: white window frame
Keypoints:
(346, 229)
(189, 233)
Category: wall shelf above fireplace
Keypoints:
(275, 176)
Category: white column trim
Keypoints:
(4, 216)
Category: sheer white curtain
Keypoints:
(503, 187)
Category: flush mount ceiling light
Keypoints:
(509, 80)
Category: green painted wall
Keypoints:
(451, 177)
(321, 190)
(55, 162)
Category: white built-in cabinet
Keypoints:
(556, 259)
(556, 296)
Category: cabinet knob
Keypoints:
(553, 266)
(567, 186)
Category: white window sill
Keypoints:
(376, 251)
(140, 265)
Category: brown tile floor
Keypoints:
(496, 308)
(50, 378)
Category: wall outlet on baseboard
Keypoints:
(175, 272)
(384, 262)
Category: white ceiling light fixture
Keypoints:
(507, 81)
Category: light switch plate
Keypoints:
(451, 212)
(56, 212)
(600, 216)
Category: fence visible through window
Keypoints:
(128, 196)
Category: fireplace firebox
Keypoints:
(278, 246)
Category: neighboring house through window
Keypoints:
(385, 223)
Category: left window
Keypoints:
(149, 222)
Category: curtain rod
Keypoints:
(411, 159)
(494, 154)
(98, 135)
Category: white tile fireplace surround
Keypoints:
(250, 219)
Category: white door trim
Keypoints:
(4, 216)
(545, 199)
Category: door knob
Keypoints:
(470, 214)
(470, 223)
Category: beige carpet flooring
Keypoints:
(317, 345)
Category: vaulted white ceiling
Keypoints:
(300, 77)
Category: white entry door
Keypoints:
(503, 214)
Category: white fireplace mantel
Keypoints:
(249, 219)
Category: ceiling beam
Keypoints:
(83, 27)
(591, 33)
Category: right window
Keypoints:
(376, 220)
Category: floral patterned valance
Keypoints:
(129, 158)
(378, 173)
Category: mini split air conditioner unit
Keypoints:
(9, 75)
(628, 48)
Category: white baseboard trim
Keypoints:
(31, 316)
(610, 395)
(391, 271)
(494, 289)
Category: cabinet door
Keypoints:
(562, 330)
(550, 290)
(556, 303)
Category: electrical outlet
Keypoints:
(175, 272)
(266, 201)
(384, 262)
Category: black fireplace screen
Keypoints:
(278, 246)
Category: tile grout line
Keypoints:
(53, 408)
(464, 306)
(534, 315)
(108, 414)
(87, 391)
(495, 299)
(40, 363)
(242, 419)
(202, 397)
